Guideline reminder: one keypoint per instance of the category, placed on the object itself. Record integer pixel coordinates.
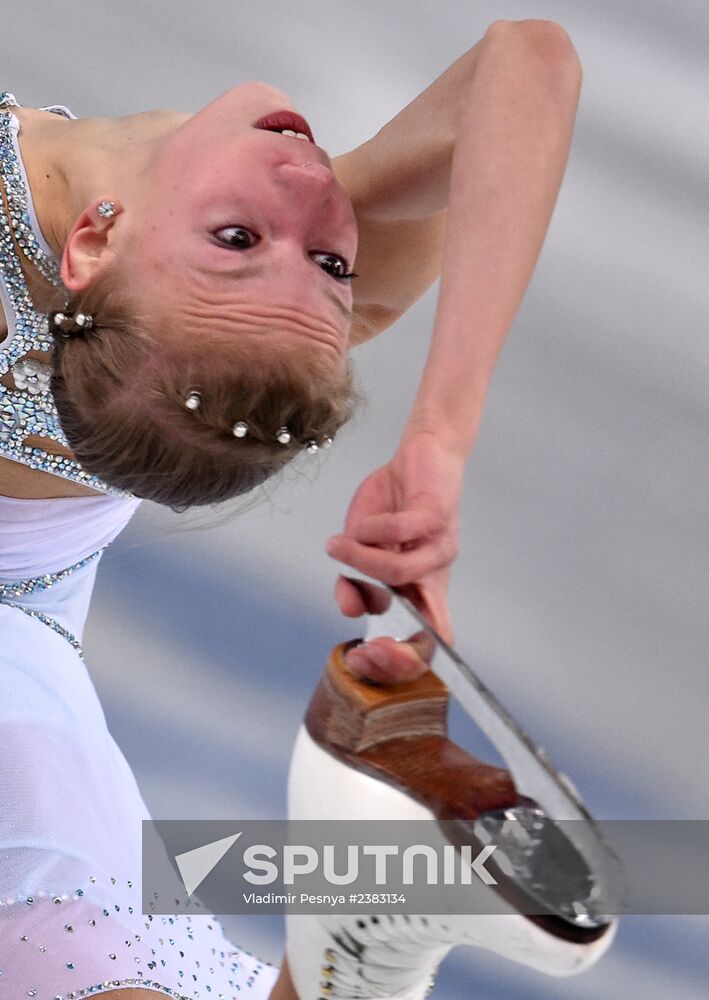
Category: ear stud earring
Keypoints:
(106, 209)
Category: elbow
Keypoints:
(546, 40)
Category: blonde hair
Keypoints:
(120, 392)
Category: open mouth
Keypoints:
(287, 123)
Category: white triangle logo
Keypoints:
(196, 864)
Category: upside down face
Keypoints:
(239, 225)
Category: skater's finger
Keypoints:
(394, 567)
(387, 661)
(396, 528)
(356, 597)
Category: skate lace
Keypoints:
(384, 956)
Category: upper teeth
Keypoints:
(297, 135)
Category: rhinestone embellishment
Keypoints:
(18, 202)
(55, 626)
(28, 409)
(32, 376)
(36, 584)
(21, 588)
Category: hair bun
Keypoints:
(66, 324)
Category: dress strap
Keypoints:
(21, 213)
(59, 109)
(27, 408)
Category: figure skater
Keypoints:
(191, 276)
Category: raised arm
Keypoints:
(509, 159)
(514, 128)
(399, 182)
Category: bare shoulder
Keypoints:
(24, 483)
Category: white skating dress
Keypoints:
(71, 920)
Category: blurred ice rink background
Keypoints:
(581, 589)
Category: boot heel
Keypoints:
(369, 751)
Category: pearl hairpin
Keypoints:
(240, 429)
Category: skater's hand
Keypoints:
(402, 528)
